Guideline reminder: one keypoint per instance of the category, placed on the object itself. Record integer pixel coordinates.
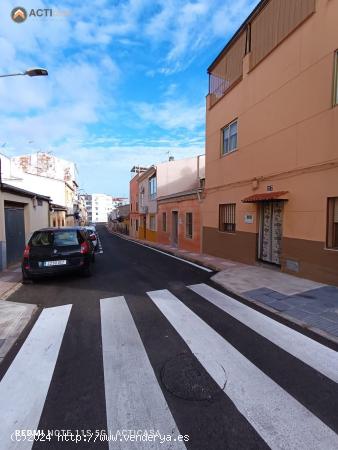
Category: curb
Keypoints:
(328, 339)
(11, 290)
(15, 346)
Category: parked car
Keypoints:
(92, 230)
(52, 251)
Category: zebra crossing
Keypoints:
(136, 398)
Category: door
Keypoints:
(174, 230)
(271, 232)
(144, 227)
(15, 233)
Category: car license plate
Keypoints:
(60, 262)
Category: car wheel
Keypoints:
(26, 279)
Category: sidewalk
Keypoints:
(306, 303)
(13, 316)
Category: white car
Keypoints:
(92, 230)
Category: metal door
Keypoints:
(271, 231)
(15, 233)
(174, 234)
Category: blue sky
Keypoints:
(127, 82)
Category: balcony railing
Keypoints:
(268, 25)
(228, 70)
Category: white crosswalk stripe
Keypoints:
(279, 419)
(134, 399)
(24, 387)
(305, 349)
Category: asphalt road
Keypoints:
(133, 348)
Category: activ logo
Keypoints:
(19, 14)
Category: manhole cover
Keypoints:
(184, 377)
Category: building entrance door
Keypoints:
(174, 234)
(270, 232)
(15, 233)
(144, 227)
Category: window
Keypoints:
(152, 222)
(332, 223)
(152, 188)
(227, 217)
(188, 225)
(335, 79)
(229, 138)
(141, 196)
(65, 238)
(41, 239)
(164, 221)
(59, 239)
(136, 224)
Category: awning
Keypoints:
(266, 197)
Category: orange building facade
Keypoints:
(166, 201)
(272, 141)
(135, 217)
(179, 221)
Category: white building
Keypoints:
(44, 174)
(47, 165)
(98, 207)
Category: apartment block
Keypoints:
(272, 141)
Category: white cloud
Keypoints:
(171, 114)
(57, 112)
(187, 27)
(62, 105)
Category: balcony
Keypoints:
(266, 27)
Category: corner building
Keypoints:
(272, 141)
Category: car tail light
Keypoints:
(84, 248)
(26, 251)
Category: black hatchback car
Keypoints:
(58, 250)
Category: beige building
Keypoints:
(272, 141)
(21, 212)
(57, 215)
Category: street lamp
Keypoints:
(34, 72)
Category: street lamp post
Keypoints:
(34, 72)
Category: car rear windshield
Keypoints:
(56, 238)
(64, 238)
